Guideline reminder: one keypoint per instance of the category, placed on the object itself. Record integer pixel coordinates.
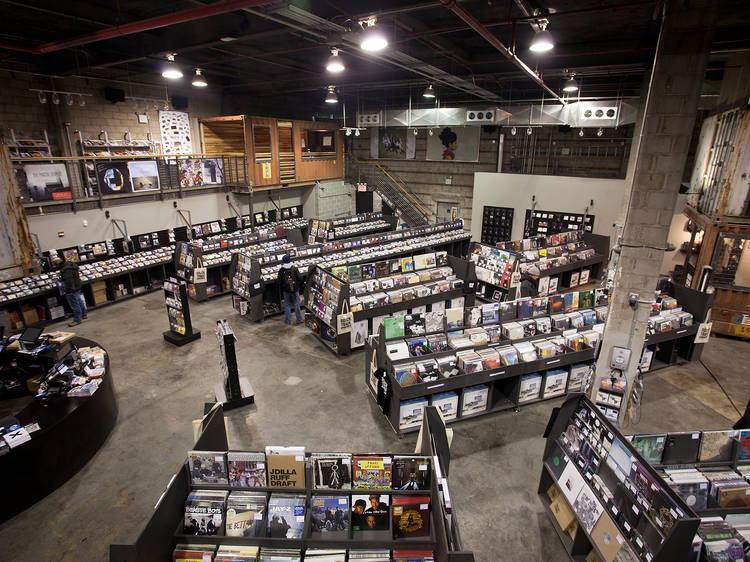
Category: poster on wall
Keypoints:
(43, 182)
(213, 170)
(393, 142)
(144, 175)
(113, 177)
(175, 132)
(191, 172)
(459, 144)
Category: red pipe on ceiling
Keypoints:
(141, 25)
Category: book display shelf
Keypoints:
(468, 367)
(349, 227)
(362, 295)
(707, 469)
(178, 311)
(602, 495)
(165, 528)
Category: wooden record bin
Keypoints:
(278, 153)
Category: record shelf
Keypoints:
(503, 383)
(349, 227)
(341, 343)
(604, 490)
(163, 530)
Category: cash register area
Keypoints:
(307, 396)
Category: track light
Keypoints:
(528, 130)
(430, 132)
(542, 41)
(81, 101)
(512, 130)
(69, 99)
(199, 81)
(429, 92)
(570, 85)
(599, 132)
(372, 39)
(416, 132)
(42, 97)
(331, 96)
(334, 63)
(580, 132)
(356, 133)
(348, 132)
(55, 99)
(170, 70)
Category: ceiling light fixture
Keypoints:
(334, 63)
(356, 132)
(69, 99)
(199, 81)
(227, 39)
(599, 132)
(570, 85)
(81, 101)
(430, 132)
(429, 92)
(55, 98)
(170, 70)
(372, 39)
(542, 41)
(348, 132)
(42, 97)
(580, 132)
(416, 132)
(512, 130)
(528, 131)
(331, 96)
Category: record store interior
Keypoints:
(375, 281)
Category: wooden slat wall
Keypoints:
(225, 135)
(310, 170)
(257, 167)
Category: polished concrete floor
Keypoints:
(307, 396)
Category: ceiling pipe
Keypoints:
(139, 26)
(495, 42)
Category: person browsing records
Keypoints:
(529, 286)
(71, 285)
(291, 283)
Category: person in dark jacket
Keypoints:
(71, 282)
(529, 286)
(291, 283)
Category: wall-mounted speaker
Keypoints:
(179, 102)
(114, 94)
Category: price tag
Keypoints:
(300, 458)
(343, 501)
(424, 506)
(636, 510)
(300, 518)
(620, 539)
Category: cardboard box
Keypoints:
(563, 514)
(593, 557)
(29, 313)
(33, 384)
(607, 537)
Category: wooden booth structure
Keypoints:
(279, 152)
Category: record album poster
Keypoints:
(113, 177)
(191, 172)
(398, 143)
(459, 144)
(43, 182)
(213, 170)
(175, 132)
(144, 175)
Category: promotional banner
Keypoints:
(113, 177)
(43, 182)
(393, 142)
(144, 175)
(459, 144)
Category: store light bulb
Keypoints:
(430, 132)
(170, 70)
(335, 64)
(348, 132)
(528, 131)
(81, 101)
(429, 92)
(42, 97)
(416, 132)
(55, 98)
(356, 133)
(199, 81)
(570, 85)
(331, 96)
(580, 132)
(599, 132)
(372, 39)
(542, 42)
(512, 130)
(69, 99)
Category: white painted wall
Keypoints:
(553, 193)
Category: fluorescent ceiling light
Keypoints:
(199, 80)
(334, 63)
(171, 71)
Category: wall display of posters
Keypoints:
(113, 177)
(191, 172)
(393, 142)
(43, 182)
(175, 132)
(144, 175)
(213, 170)
(460, 144)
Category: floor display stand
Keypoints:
(235, 391)
(164, 528)
(601, 495)
(178, 310)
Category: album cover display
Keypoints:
(371, 513)
(372, 472)
(113, 177)
(681, 448)
(286, 467)
(411, 516)
(411, 473)
(286, 516)
(247, 470)
(330, 517)
(204, 512)
(144, 175)
(207, 467)
(716, 446)
(245, 514)
(331, 470)
(650, 447)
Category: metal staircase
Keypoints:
(391, 189)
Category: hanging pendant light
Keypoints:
(373, 39)
(199, 81)
(170, 70)
(570, 85)
(331, 96)
(542, 41)
(429, 92)
(335, 64)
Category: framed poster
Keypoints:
(191, 172)
(144, 175)
(213, 170)
(113, 177)
(175, 132)
(393, 142)
(459, 144)
(43, 182)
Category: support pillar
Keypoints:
(668, 114)
(16, 245)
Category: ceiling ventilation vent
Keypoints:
(481, 115)
(598, 113)
(369, 120)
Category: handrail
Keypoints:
(426, 212)
(128, 157)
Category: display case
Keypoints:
(181, 329)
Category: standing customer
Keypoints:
(71, 283)
(290, 285)
(530, 283)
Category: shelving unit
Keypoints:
(494, 268)
(544, 223)
(583, 455)
(29, 148)
(497, 224)
(165, 527)
(178, 311)
(349, 227)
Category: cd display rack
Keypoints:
(178, 311)
(600, 494)
(544, 223)
(494, 267)
(349, 227)
(497, 224)
(164, 529)
(327, 296)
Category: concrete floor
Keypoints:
(307, 396)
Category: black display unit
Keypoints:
(544, 223)
(497, 224)
(178, 312)
(616, 498)
(163, 530)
